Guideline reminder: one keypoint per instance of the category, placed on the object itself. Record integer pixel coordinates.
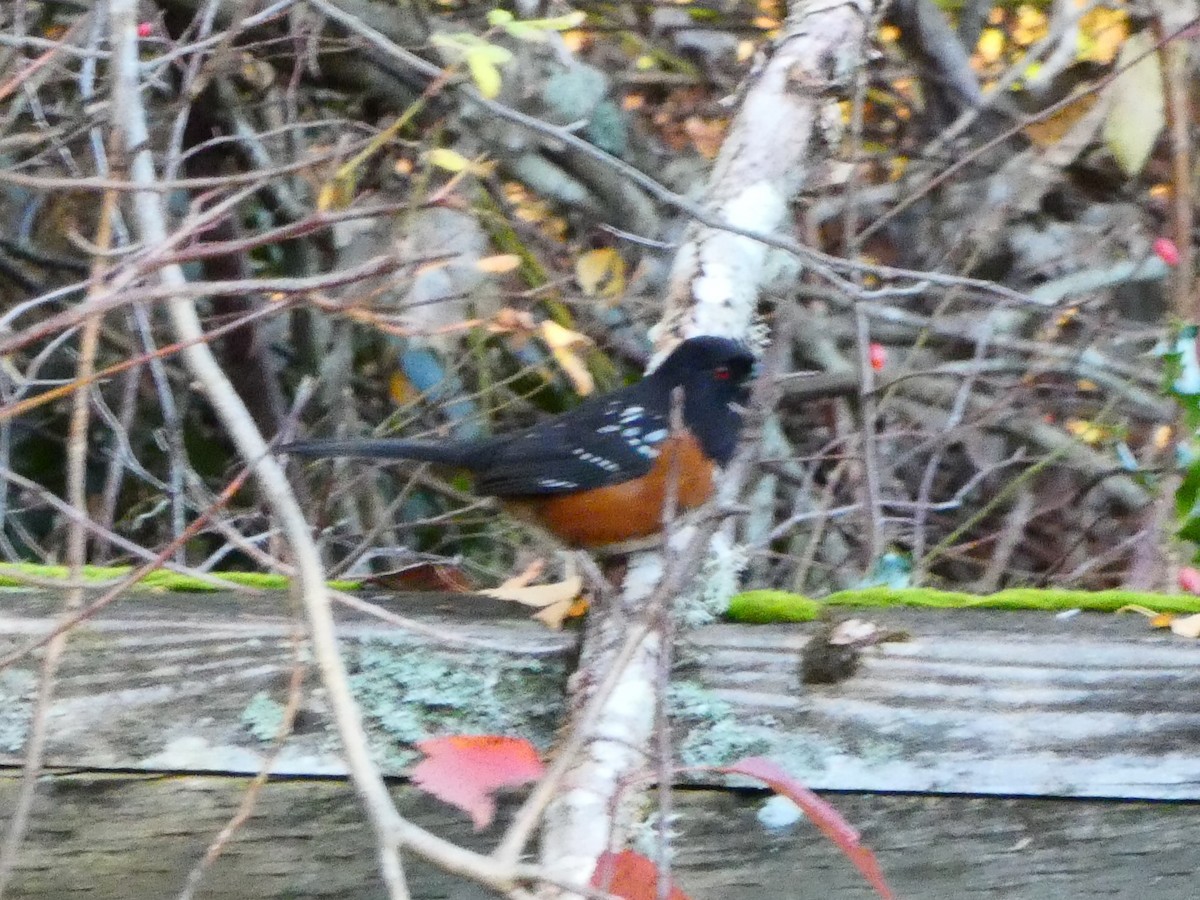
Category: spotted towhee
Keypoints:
(599, 474)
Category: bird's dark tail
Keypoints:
(465, 454)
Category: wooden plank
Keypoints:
(192, 683)
(977, 701)
(110, 837)
(980, 701)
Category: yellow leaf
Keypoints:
(1101, 34)
(562, 342)
(559, 338)
(448, 159)
(991, 45)
(485, 74)
(1088, 432)
(1031, 25)
(499, 264)
(601, 273)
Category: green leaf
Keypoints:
(1190, 532)
(1189, 490)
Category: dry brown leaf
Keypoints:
(525, 577)
(1186, 626)
(1049, 131)
(538, 596)
(556, 601)
(498, 264)
(512, 321)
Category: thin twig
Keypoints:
(250, 798)
(77, 445)
(391, 830)
(826, 265)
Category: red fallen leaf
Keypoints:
(631, 876)
(145, 29)
(878, 355)
(1165, 249)
(1189, 579)
(463, 770)
(824, 816)
(423, 576)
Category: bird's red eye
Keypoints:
(721, 373)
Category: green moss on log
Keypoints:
(782, 606)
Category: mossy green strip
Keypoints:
(160, 579)
(782, 606)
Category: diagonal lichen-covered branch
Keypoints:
(777, 141)
(790, 118)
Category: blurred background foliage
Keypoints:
(436, 270)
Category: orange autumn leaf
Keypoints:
(631, 876)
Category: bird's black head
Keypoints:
(714, 373)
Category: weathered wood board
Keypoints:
(973, 702)
(979, 701)
(115, 837)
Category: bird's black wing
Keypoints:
(598, 444)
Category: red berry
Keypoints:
(1166, 250)
(145, 29)
(1189, 579)
(877, 355)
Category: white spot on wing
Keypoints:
(596, 460)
